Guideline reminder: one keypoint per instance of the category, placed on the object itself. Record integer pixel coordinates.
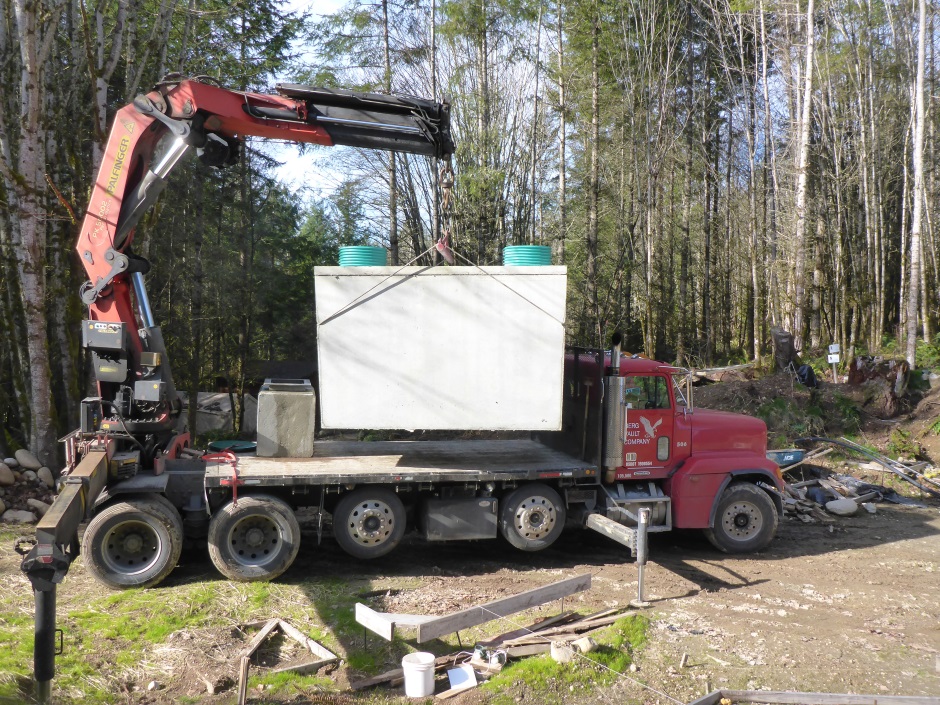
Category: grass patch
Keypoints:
(554, 682)
(277, 682)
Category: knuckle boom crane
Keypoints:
(131, 423)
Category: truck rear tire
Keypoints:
(255, 538)
(133, 544)
(369, 522)
(532, 517)
(746, 520)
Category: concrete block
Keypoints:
(286, 419)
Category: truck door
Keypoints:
(649, 421)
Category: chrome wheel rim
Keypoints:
(371, 522)
(535, 517)
(742, 521)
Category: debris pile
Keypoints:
(817, 499)
(27, 489)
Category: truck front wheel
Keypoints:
(532, 517)
(255, 538)
(369, 522)
(134, 543)
(746, 520)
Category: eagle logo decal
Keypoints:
(650, 428)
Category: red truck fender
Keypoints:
(695, 488)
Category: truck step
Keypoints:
(611, 529)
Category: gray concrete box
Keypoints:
(448, 348)
(286, 418)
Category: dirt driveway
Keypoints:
(851, 610)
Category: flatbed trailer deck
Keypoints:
(341, 462)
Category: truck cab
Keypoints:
(693, 468)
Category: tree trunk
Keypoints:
(802, 172)
(917, 215)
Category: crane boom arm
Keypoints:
(132, 421)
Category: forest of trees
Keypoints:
(705, 168)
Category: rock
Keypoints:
(153, 685)
(27, 460)
(45, 474)
(40, 507)
(15, 516)
(11, 462)
(3, 507)
(30, 476)
(842, 507)
(7, 477)
(869, 507)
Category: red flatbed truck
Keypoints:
(626, 441)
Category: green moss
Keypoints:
(545, 676)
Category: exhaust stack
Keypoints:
(613, 412)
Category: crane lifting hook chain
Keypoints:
(446, 181)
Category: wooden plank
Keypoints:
(259, 637)
(528, 649)
(447, 694)
(481, 614)
(709, 699)
(567, 629)
(308, 667)
(792, 698)
(523, 631)
(243, 680)
(313, 647)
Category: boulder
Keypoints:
(18, 516)
(3, 507)
(7, 477)
(40, 507)
(11, 463)
(842, 507)
(30, 476)
(45, 474)
(27, 460)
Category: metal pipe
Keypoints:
(143, 301)
(616, 342)
(642, 551)
(44, 649)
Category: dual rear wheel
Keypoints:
(137, 542)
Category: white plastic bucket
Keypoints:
(419, 674)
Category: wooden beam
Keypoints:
(259, 637)
(481, 614)
(308, 667)
(313, 647)
(384, 623)
(776, 697)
